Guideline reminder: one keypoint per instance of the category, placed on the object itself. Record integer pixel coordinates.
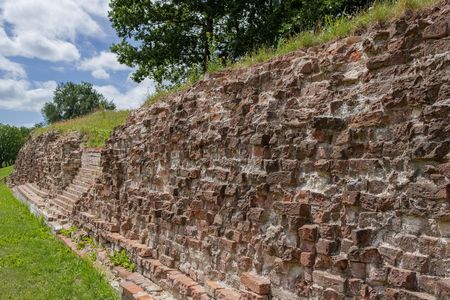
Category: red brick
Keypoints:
(229, 245)
(326, 247)
(307, 259)
(402, 278)
(167, 260)
(362, 236)
(212, 287)
(197, 291)
(143, 296)
(350, 198)
(292, 208)
(247, 295)
(390, 254)
(255, 283)
(443, 289)
(129, 289)
(326, 280)
(308, 232)
(436, 30)
(415, 262)
(227, 294)
(358, 269)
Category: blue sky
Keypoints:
(46, 42)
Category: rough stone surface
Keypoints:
(50, 160)
(325, 171)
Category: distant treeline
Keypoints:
(11, 140)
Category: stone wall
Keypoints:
(50, 160)
(325, 172)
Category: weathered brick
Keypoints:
(326, 247)
(326, 279)
(255, 283)
(362, 236)
(436, 30)
(443, 289)
(402, 278)
(307, 259)
(129, 289)
(308, 232)
(415, 262)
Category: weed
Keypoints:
(68, 232)
(92, 256)
(120, 258)
(86, 241)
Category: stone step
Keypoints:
(89, 171)
(31, 196)
(62, 204)
(40, 192)
(85, 177)
(78, 188)
(83, 182)
(72, 194)
(180, 283)
(57, 211)
(57, 215)
(69, 200)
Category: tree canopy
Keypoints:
(165, 39)
(11, 140)
(71, 100)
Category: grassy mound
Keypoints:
(34, 264)
(97, 126)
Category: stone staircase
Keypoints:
(59, 208)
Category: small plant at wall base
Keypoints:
(86, 241)
(68, 232)
(120, 258)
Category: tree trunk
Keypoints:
(208, 39)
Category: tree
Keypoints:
(165, 39)
(71, 100)
(11, 140)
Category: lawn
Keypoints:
(96, 127)
(34, 264)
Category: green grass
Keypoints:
(34, 264)
(381, 11)
(96, 127)
(4, 172)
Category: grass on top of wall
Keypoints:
(96, 126)
(35, 264)
(381, 11)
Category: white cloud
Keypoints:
(133, 98)
(25, 95)
(95, 7)
(47, 29)
(50, 30)
(98, 65)
(100, 74)
(12, 70)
